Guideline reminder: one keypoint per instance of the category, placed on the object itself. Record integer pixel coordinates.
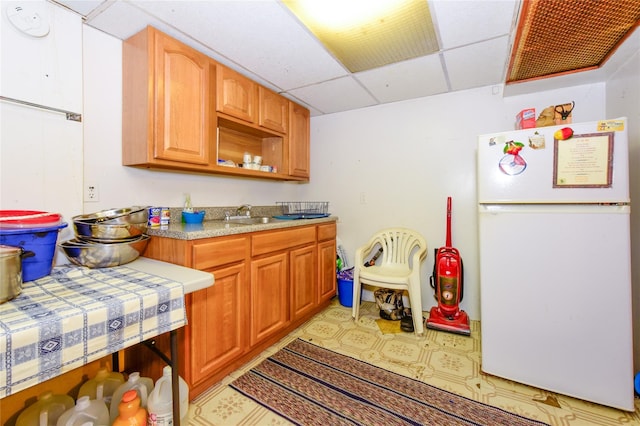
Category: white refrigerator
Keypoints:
(555, 267)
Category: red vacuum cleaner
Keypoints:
(447, 282)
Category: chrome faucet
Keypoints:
(243, 207)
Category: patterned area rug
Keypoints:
(310, 385)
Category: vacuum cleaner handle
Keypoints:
(461, 280)
(432, 278)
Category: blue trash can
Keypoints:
(345, 292)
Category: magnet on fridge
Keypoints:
(537, 141)
(512, 163)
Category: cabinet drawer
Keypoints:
(280, 240)
(327, 232)
(217, 253)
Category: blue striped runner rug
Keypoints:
(310, 385)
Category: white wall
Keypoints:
(395, 165)
(40, 151)
(623, 99)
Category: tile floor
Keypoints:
(445, 360)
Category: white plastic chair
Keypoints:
(398, 268)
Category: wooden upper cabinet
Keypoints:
(236, 94)
(273, 110)
(183, 111)
(182, 93)
(167, 101)
(299, 143)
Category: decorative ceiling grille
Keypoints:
(561, 36)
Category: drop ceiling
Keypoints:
(265, 41)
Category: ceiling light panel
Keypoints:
(367, 34)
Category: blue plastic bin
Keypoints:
(40, 241)
(345, 292)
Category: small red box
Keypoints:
(526, 119)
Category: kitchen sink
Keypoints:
(249, 220)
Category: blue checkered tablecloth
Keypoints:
(77, 315)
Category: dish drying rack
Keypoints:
(304, 207)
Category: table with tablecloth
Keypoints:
(77, 315)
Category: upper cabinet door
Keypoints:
(182, 91)
(274, 110)
(237, 95)
(299, 131)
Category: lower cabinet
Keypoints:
(303, 281)
(268, 299)
(266, 284)
(326, 287)
(218, 329)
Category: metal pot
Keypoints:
(11, 271)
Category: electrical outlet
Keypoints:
(363, 198)
(91, 193)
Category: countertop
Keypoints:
(220, 228)
(191, 279)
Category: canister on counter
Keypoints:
(155, 214)
(165, 217)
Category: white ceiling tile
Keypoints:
(342, 94)
(122, 20)
(83, 7)
(257, 35)
(405, 80)
(477, 65)
(469, 21)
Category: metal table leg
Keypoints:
(173, 362)
(175, 381)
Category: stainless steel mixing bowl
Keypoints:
(101, 231)
(104, 255)
(136, 214)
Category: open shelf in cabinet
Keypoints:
(236, 139)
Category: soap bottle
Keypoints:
(144, 386)
(188, 208)
(45, 411)
(130, 411)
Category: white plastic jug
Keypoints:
(45, 411)
(143, 385)
(159, 403)
(93, 411)
(102, 386)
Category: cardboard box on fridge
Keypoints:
(563, 113)
(526, 119)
